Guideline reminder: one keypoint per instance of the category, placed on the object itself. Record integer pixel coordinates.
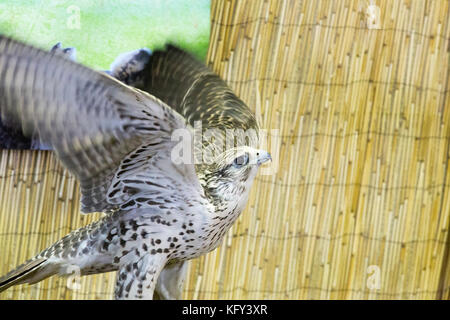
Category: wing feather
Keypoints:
(195, 91)
(91, 120)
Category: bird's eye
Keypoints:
(241, 160)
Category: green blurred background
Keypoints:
(100, 30)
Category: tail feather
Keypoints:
(32, 271)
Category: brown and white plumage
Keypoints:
(117, 141)
(194, 91)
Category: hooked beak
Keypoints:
(263, 157)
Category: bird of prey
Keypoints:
(161, 210)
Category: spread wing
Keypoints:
(92, 121)
(195, 91)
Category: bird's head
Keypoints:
(228, 180)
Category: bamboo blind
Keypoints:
(359, 207)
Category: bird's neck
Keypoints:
(227, 200)
(228, 204)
